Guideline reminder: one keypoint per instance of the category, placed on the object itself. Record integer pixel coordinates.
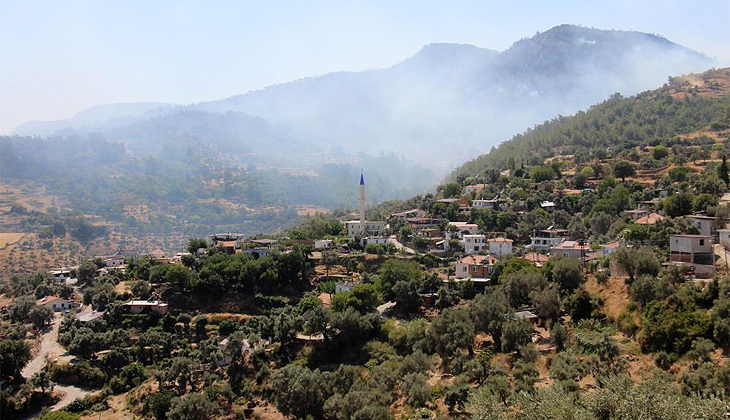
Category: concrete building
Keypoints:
(139, 306)
(61, 276)
(473, 244)
(463, 228)
(548, 238)
(257, 252)
(362, 227)
(548, 205)
(570, 249)
(611, 247)
(475, 266)
(111, 261)
(404, 215)
(724, 235)
(474, 188)
(373, 240)
(56, 303)
(372, 228)
(705, 224)
(500, 247)
(323, 243)
(693, 250)
(485, 204)
(635, 214)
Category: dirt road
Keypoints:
(50, 349)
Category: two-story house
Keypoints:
(475, 266)
(473, 244)
(500, 247)
(693, 250)
(548, 238)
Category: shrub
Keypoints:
(81, 374)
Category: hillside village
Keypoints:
(587, 279)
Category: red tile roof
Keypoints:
(649, 219)
(536, 257)
(478, 260)
(326, 299)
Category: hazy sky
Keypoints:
(59, 57)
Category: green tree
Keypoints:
(393, 271)
(542, 173)
(14, 355)
(43, 381)
(362, 297)
(453, 330)
(678, 204)
(40, 316)
(516, 333)
(86, 272)
(194, 406)
(623, 169)
(659, 152)
(489, 311)
(723, 171)
(568, 274)
(20, 309)
(194, 244)
(407, 298)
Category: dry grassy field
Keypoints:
(9, 238)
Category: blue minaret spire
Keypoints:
(362, 180)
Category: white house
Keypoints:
(570, 249)
(473, 243)
(485, 204)
(56, 303)
(323, 243)
(548, 205)
(112, 260)
(548, 238)
(374, 240)
(474, 188)
(500, 247)
(464, 228)
(372, 228)
(137, 306)
(343, 286)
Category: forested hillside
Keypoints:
(618, 124)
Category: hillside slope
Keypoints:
(618, 123)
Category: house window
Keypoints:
(702, 242)
(475, 268)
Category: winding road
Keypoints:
(50, 349)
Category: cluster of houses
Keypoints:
(482, 250)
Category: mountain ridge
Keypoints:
(447, 102)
